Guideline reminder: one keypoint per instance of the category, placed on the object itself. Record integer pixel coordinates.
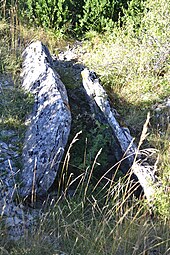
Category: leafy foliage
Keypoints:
(97, 14)
(72, 16)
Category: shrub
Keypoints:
(75, 17)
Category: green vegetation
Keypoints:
(15, 105)
(73, 17)
(133, 68)
(127, 44)
(94, 221)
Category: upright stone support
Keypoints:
(49, 123)
(127, 151)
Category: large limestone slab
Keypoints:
(49, 123)
(127, 153)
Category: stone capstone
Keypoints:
(49, 123)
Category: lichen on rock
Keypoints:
(49, 123)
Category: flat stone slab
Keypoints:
(127, 152)
(49, 123)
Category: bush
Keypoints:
(68, 15)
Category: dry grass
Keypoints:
(106, 219)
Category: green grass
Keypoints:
(15, 105)
(134, 66)
(134, 69)
(91, 224)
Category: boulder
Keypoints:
(49, 123)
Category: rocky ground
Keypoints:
(16, 216)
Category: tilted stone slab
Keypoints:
(126, 150)
(49, 123)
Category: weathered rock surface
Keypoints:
(49, 123)
(16, 219)
(126, 151)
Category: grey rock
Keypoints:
(10, 222)
(161, 115)
(3, 146)
(6, 81)
(7, 133)
(99, 98)
(17, 220)
(13, 221)
(49, 123)
(126, 151)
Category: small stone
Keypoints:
(10, 152)
(10, 222)
(30, 218)
(3, 145)
(7, 133)
(168, 102)
(17, 220)
(18, 210)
